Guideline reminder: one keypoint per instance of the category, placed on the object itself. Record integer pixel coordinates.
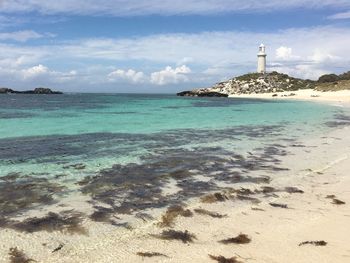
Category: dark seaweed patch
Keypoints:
(184, 236)
(150, 254)
(248, 198)
(102, 214)
(19, 193)
(278, 205)
(16, 115)
(209, 213)
(41, 149)
(77, 166)
(172, 213)
(66, 221)
(339, 120)
(131, 188)
(222, 259)
(315, 243)
(338, 202)
(18, 256)
(240, 239)
(293, 190)
(213, 198)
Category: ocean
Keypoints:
(134, 152)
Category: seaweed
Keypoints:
(315, 243)
(257, 209)
(338, 202)
(77, 166)
(330, 196)
(209, 213)
(184, 236)
(279, 205)
(18, 256)
(268, 189)
(222, 259)
(248, 198)
(65, 221)
(20, 193)
(172, 213)
(60, 246)
(240, 239)
(212, 198)
(102, 214)
(244, 191)
(293, 190)
(150, 254)
(144, 216)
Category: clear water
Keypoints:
(65, 138)
(28, 121)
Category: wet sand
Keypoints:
(301, 204)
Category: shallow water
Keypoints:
(122, 151)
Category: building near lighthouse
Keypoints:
(262, 59)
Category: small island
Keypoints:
(260, 83)
(35, 91)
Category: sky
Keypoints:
(165, 46)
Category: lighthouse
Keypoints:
(262, 59)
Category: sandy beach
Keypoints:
(301, 215)
(342, 96)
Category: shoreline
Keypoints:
(342, 96)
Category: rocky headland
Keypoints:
(258, 83)
(35, 91)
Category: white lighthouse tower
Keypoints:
(262, 59)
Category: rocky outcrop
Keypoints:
(200, 93)
(35, 91)
(254, 83)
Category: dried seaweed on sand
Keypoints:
(18, 256)
(222, 259)
(278, 205)
(338, 202)
(213, 198)
(184, 236)
(172, 213)
(240, 239)
(315, 243)
(150, 254)
(209, 213)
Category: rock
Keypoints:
(35, 91)
(6, 91)
(196, 93)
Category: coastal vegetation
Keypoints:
(254, 83)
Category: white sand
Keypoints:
(320, 168)
(342, 96)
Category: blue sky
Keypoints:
(163, 46)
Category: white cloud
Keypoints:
(20, 36)
(304, 71)
(322, 56)
(163, 7)
(35, 71)
(343, 15)
(128, 75)
(285, 53)
(213, 56)
(171, 75)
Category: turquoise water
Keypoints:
(137, 140)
